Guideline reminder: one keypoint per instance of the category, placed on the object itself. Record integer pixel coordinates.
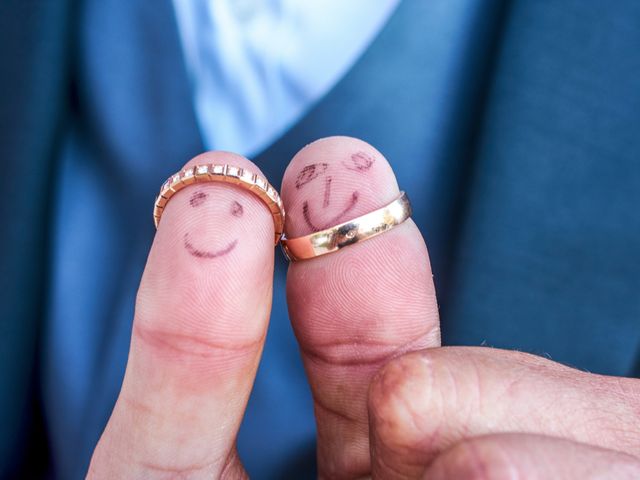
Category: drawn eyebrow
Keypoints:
(360, 162)
(309, 173)
(197, 198)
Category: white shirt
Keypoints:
(256, 66)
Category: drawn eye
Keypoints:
(236, 209)
(360, 162)
(197, 199)
(310, 172)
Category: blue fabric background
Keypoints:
(514, 126)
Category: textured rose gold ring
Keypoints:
(347, 233)
(239, 176)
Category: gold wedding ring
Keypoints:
(256, 184)
(347, 233)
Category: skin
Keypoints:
(237, 210)
(389, 401)
(342, 215)
(360, 162)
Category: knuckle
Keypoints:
(197, 329)
(351, 353)
(214, 327)
(182, 346)
(404, 406)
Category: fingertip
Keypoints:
(397, 396)
(183, 208)
(209, 270)
(334, 179)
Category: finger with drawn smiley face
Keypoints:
(359, 162)
(201, 317)
(354, 309)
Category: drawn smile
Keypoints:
(196, 252)
(333, 221)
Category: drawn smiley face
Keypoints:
(197, 199)
(359, 162)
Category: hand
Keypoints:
(201, 317)
(480, 413)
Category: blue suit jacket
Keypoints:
(523, 164)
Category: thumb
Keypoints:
(199, 328)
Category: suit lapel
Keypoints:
(410, 96)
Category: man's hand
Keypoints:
(201, 318)
(481, 413)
